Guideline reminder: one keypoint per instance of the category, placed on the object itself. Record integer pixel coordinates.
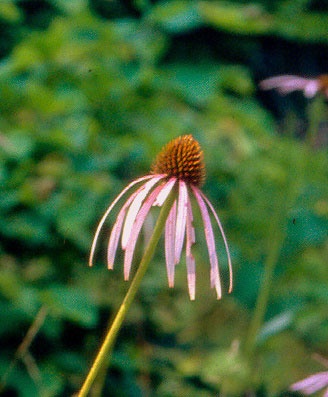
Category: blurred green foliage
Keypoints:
(90, 93)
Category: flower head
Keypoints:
(178, 166)
(288, 83)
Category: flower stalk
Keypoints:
(110, 338)
(316, 111)
(276, 239)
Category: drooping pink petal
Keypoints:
(311, 384)
(224, 238)
(135, 206)
(136, 229)
(215, 276)
(316, 387)
(169, 244)
(100, 225)
(282, 78)
(181, 220)
(160, 199)
(311, 88)
(190, 260)
(116, 232)
(288, 82)
(148, 228)
(309, 381)
(288, 88)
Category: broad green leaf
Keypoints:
(71, 303)
(197, 82)
(9, 11)
(305, 26)
(305, 230)
(72, 6)
(236, 78)
(23, 297)
(236, 18)
(176, 16)
(26, 226)
(253, 20)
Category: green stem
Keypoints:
(113, 331)
(22, 349)
(99, 382)
(276, 240)
(316, 110)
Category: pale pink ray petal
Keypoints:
(116, 232)
(100, 225)
(135, 206)
(169, 244)
(212, 273)
(283, 78)
(315, 387)
(283, 81)
(181, 220)
(290, 86)
(312, 383)
(136, 229)
(190, 260)
(287, 89)
(297, 82)
(311, 88)
(320, 384)
(215, 276)
(223, 236)
(160, 199)
(148, 228)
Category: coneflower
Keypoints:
(178, 166)
(177, 173)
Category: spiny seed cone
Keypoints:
(181, 158)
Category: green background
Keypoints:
(90, 92)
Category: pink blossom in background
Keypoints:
(285, 84)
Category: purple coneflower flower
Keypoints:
(288, 83)
(178, 166)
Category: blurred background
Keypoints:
(90, 92)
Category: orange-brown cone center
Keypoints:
(323, 79)
(183, 159)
